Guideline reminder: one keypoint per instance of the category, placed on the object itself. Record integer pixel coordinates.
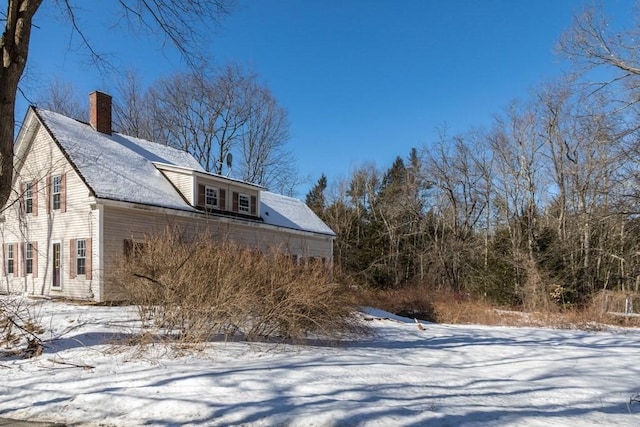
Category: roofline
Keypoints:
(194, 172)
(64, 152)
(188, 210)
(27, 129)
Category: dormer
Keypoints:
(214, 194)
(218, 194)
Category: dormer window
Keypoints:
(211, 197)
(244, 203)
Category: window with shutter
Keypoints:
(56, 192)
(244, 203)
(81, 256)
(211, 197)
(10, 259)
(28, 259)
(28, 197)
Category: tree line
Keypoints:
(539, 210)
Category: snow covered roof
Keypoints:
(116, 166)
(283, 211)
(123, 168)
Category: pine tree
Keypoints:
(315, 197)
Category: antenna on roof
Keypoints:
(229, 162)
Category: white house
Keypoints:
(83, 195)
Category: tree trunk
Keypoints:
(15, 48)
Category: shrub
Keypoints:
(202, 288)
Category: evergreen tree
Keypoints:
(315, 197)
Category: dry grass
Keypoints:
(194, 291)
(449, 307)
(432, 305)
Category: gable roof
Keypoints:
(116, 166)
(123, 168)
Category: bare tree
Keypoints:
(340, 215)
(456, 173)
(15, 50)
(60, 96)
(591, 41)
(216, 116)
(265, 159)
(177, 21)
(132, 110)
(183, 109)
(201, 113)
(518, 152)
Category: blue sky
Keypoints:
(362, 80)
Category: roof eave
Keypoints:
(64, 152)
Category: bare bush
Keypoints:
(195, 290)
(19, 326)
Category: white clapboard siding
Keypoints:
(44, 159)
(183, 181)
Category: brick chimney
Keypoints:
(100, 112)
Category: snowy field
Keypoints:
(443, 375)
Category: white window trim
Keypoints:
(217, 191)
(61, 255)
(28, 197)
(83, 257)
(28, 256)
(241, 208)
(55, 193)
(11, 258)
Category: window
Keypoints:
(28, 197)
(211, 197)
(243, 203)
(57, 265)
(56, 192)
(10, 259)
(134, 249)
(28, 259)
(81, 256)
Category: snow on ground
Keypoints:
(445, 375)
